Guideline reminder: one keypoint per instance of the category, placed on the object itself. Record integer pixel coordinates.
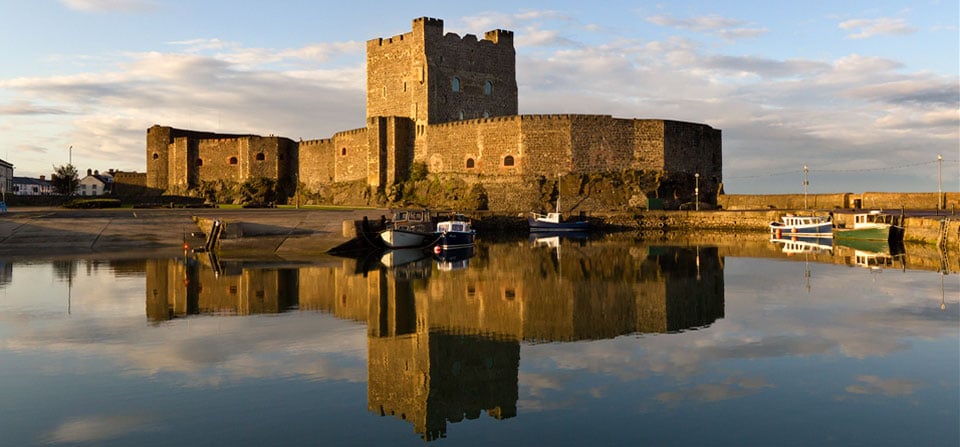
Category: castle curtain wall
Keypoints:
(316, 160)
(648, 144)
(601, 143)
(690, 148)
(350, 155)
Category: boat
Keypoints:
(802, 226)
(454, 233)
(873, 226)
(402, 256)
(554, 221)
(802, 245)
(408, 229)
(454, 258)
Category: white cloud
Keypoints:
(27, 108)
(724, 27)
(97, 429)
(886, 387)
(866, 28)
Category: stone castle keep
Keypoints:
(449, 103)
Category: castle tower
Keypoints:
(434, 78)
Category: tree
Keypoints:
(64, 179)
(258, 191)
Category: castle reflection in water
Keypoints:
(445, 345)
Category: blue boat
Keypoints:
(454, 258)
(454, 233)
(801, 226)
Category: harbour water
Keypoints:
(525, 342)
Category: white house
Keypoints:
(95, 184)
(6, 177)
(26, 186)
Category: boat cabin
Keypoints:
(874, 219)
(411, 220)
(796, 221)
(455, 226)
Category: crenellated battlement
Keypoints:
(314, 143)
(350, 132)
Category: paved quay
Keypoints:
(51, 232)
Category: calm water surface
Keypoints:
(525, 343)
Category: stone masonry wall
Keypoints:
(485, 73)
(734, 202)
(316, 160)
(221, 159)
(350, 161)
(690, 148)
(601, 143)
(868, 200)
(917, 200)
(412, 74)
(648, 150)
(396, 75)
(546, 145)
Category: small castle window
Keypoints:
(488, 88)
(460, 115)
(260, 156)
(456, 85)
(233, 160)
(343, 152)
(470, 163)
(199, 162)
(156, 155)
(508, 160)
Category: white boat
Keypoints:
(801, 226)
(396, 258)
(554, 221)
(408, 229)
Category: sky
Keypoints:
(866, 94)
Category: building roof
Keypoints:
(30, 181)
(105, 179)
(6, 164)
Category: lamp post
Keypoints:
(939, 179)
(696, 189)
(805, 184)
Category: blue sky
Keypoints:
(865, 93)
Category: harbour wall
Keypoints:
(925, 230)
(869, 200)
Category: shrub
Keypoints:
(92, 203)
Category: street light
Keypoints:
(939, 179)
(696, 189)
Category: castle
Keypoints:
(449, 103)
